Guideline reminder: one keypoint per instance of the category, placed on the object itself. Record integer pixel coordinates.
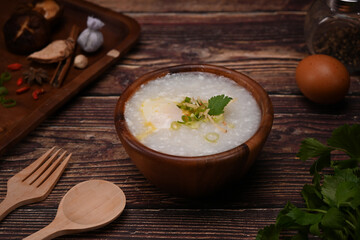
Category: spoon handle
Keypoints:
(46, 233)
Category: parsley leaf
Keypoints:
(218, 103)
(312, 196)
(305, 218)
(268, 233)
(347, 138)
(333, 199)
(310, 148)
(333, 219)
(342, 189)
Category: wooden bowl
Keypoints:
(200, 175)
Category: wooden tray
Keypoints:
(120, 33)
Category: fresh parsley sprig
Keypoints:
(332, 200)
(217, 104)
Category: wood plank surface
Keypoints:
(203, 6)
(261, 39)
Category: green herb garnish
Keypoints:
(332, 200)
(217, 104)
(196, 110)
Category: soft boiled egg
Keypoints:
(160, 112)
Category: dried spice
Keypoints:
(19, 81)
(35, 75)
(64, 65)
(342, 43)
(22, 90)
(35, 94)
(56, 51)
(14, 66)
(91, 38)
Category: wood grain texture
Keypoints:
(203, 6)
(265, 46)
(264, 41)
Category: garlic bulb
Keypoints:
(80, 61)
(91, 38)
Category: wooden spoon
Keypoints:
(88, 205)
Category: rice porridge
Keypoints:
(161, 114)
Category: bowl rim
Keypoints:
(249, 84)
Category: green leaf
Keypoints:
(348, 194)
(187, 100)
(333, 200)
(268, 233)
(310, 147)
(322, 162)
(342, 188)
(348, 163)
(300, 236)
(282, 220)
(357, 230)
(317, 181)
(328, 190)
(347, 175)
(218, 103)
(347, 138)
(333, 219)
(315, 230)
(333, 234)
(312, 196)
(305, 218)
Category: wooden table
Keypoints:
(262, 39)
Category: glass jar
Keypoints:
(332, 27)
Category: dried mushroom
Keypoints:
(51, 10)
(35, 75)
(26, 32)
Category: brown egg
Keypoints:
(322, 79)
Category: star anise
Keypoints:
(35, 75)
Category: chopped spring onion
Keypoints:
(193, 125)
(175, 125)
(8, 103)
(3, 91)
(4, 77)
(196, 110)
(212, 137)
(185, 118)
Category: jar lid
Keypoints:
(346, 6)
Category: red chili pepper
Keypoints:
(22, 90)
(19, 81)
(14, 66)
(37, 92)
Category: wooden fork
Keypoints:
(35, 182)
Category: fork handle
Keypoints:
(8, 205)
